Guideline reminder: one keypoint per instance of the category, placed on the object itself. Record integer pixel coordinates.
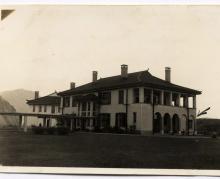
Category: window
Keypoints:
(52, 109)
(66, 101)
(167, 98)
(59, 109)
(88, 106)
(136, 95)
(84, 106)
(121, 97)
(33, 108)
(190, 124)
(147, 96)
(105, 120)
(156, 96)
(94, 108)
(45, 108)
(40, 108)
(88, 109)
(83, 114)
(78, 122)
(74, 102)
(134, 117)
(105, 98)
(120, 120)
(88, 122)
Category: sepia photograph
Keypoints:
(110, 87)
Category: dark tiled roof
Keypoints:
(90, 97)
(46, 100)
(142, 78)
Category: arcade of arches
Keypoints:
(166, 123)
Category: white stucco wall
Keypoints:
(144, 112)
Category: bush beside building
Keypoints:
(208, 126)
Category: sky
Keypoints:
(44, 48)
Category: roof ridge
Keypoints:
(120, 75)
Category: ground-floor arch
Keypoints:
(167, 123)
(157, 123)
(176, 123)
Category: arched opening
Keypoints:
(167, 123)
(157, 123)
(176, 123)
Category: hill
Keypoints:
(5, 106)
(17, 98)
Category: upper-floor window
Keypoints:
(156, 97)
(88, 106)
(45, 108)
(40, 108)
(74, 102)
(121, 97)
(147, 96)
(33, 108)
(84, 106)
(136, 95)
(59, 109)
(105, 97)
(52, 109)
(66, 101)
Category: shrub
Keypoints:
(38, 130)
(208, 126)
(214, 135)
(50, 130)
(63, 130)
(97, 129)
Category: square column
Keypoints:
(78, 108)
(186, 102)
(162, 97)
(50, 122)
(171, 98)
(61, 103)
(194, 101)
(178, 100)
(171, 125)
(25, 123)
(162, 125)
(152, 96)
(71, 101)
(141, 100)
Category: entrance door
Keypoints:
(83, 123)
(157, 123)
(176, 126)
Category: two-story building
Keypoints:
(140, 100)
(45, 108)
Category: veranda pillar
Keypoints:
(25, 123)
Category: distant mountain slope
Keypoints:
(7, 120)
(17, 98)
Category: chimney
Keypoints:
(124, 71)
(36, 94)
(72, 85)
(168, 74)
(94, 76)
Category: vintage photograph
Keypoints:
(110, 86)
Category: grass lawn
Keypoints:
(106, 150)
